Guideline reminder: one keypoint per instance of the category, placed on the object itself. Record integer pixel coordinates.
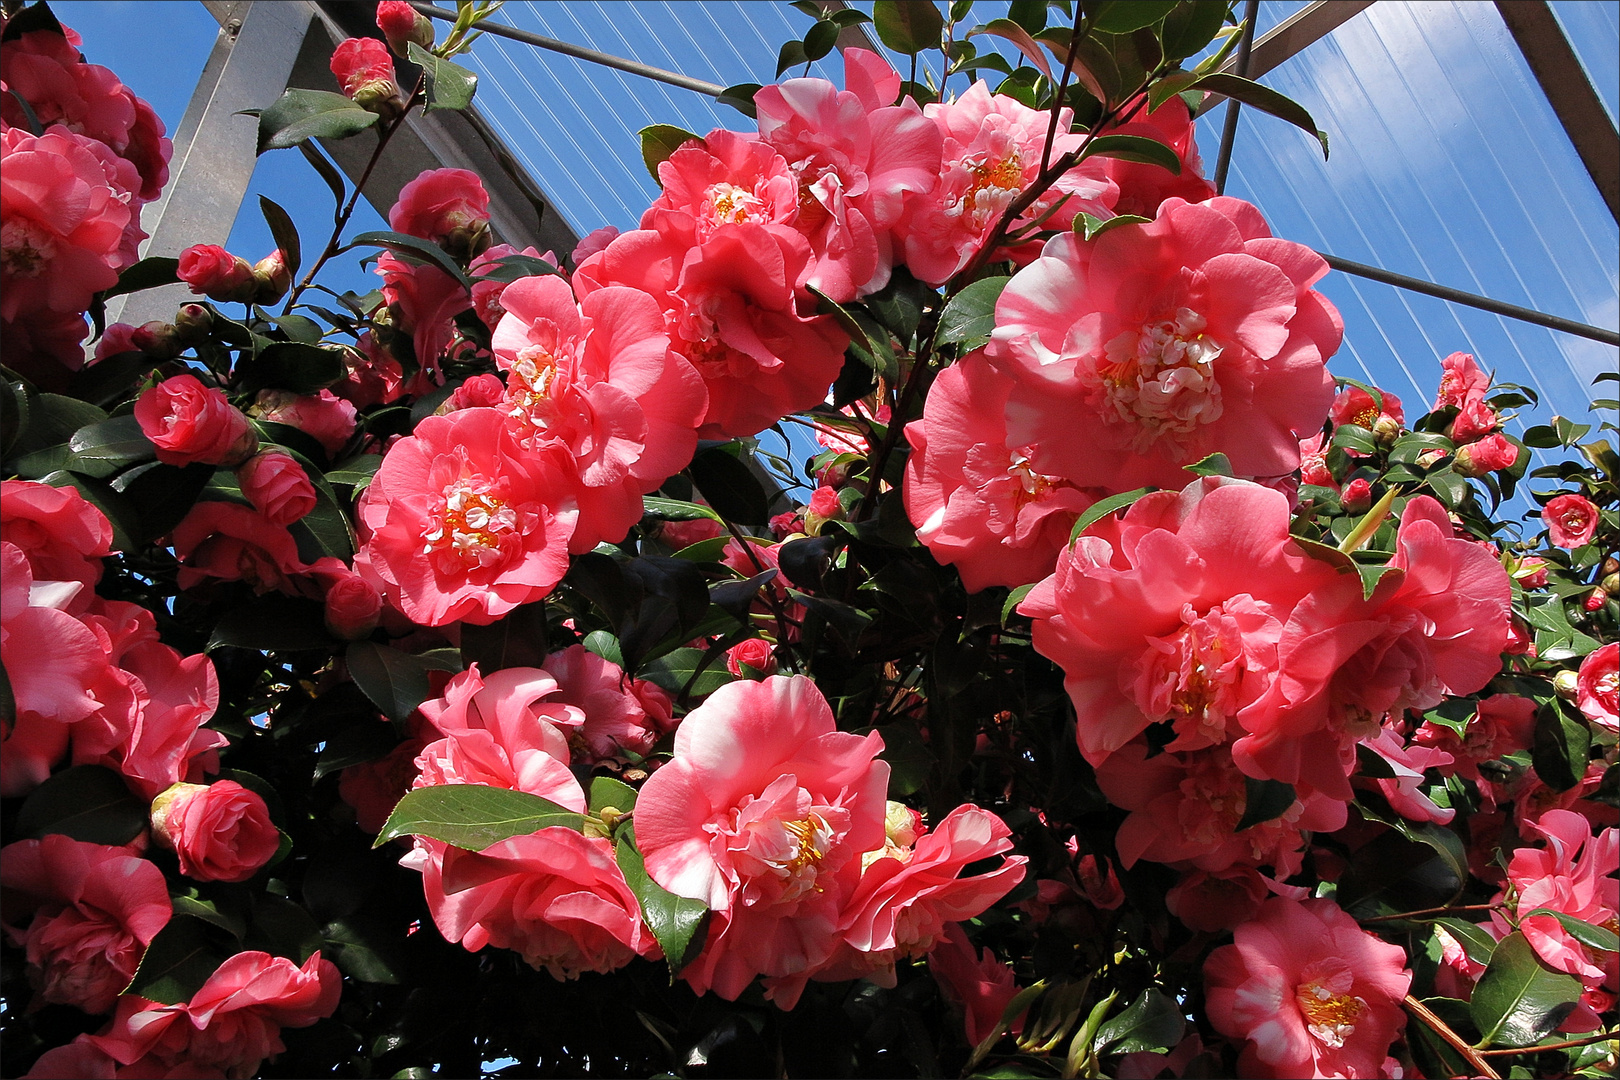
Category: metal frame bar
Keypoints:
(1305, 27)
(1223, 159)
(1569, 91)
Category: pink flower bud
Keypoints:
(1489, 454)
(753, 658)
(353, 606)
(786, 523)
(157, 338)
(272, 277)
(1596, 600)
(219, 831)
(117, 338)
(277, 486)
(824, 503)
(1571, 520)
(402, 24)
(192, 322)
(213, 272)
(189, 422)
(365, 71)
(1473, 421)
(445, 206)
(1357, 496)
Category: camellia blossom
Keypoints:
(63, 536)
(463, 523)
(212, 271)
(1597, 686)
(1571, 520)
(1308, 992)
(1572, 874)
(1463, 382)
(979, 982)
(622, 716)
(277, 485)
(1167, 341)
(1144, 187)
(219, 831)
(189, 422)
(365, 72)
(979, 504)
(443, 205)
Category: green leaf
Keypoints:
(363, 952)
(1596, 937)
(1213, 465)
(740, 96)
(1476, 942)
(86, 802)
(1133, 148)
(1411, 867)
(273, 623)
(679, 669)
(910, 760)
(1090, 227)
(289, 365)
(1519, 1000)
(1152, 1022)
(606, 791)
(1265, 801)
(1190, 27)
(179, 960)
(1266, 100)
(1560, 747)
(679, 923)
(791, 55)
(970, 315)
(820, 39)
(284, 232)
(1014, 598)
(281, 928)
(187, 899)
(51, 420)
(605, 645)
(676, 509)
(449, 85)
(149, 273)
(103, 448)
(415, 248)
(395, 681)
(908, 26)
(1124, 16)
(730, 487)
(1102, 508)
(473, 816)
(310, 114)
(360, 742)
(356, 472)
(659, 141)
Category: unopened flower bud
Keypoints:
(402, 24)
(273, 278)
(1564, 685)
(213, 272)
(1611, 565)
(1610, 584)
(365, 72)
(1357, 496)
(157, 338)
(1599, 597)
(1487, 455)
(467, 241)
(1386, 429)
(192, 323)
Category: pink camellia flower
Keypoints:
(213, 272)
(978, 503)
(824, 503)
(1492, 453)
(1475, 421)
(1353, 405)
(1408, 763)
(365, 72)
(599, 379)
(483, 391)
(856, 157)
(423, 301)
(62, 222)
(64, 537)
(353, 604)
(402, 24)
(751, 658)
(731, 308)
(45, 346)
(1168, 341)
(1177, 618)
(980, 983)
(373, 788)
(725, 179)
(1501, 725)
(1597, 686)
(219, 831)
(555, 897)
(93, 911)
(1313, 467)
(502, 731)
(461, 523)
(622, 716)
(447, 206)
(1143, 188)
(1308, 991)
(486, 291)
(1215, 900)
(189, 422)
(374, 375)
(1571, 520)
(1357, 496)
(228, 542)
(763, 813)
(277, 486)
(230, 1025)
(1462, 382)
(323, 416)
(992, 151)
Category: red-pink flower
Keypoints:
(353, 604)
(1168, 341)
(1501, 725)
(1215, 900)
(1571, 520)
(1408, 764)
(763, 813)
(486, 291)
(623, 717)
(92, 911)
(599, 378)
(364, 71)
(992, 151)
(228, 542)
(219, 831)
(1313, 467)
(1353, 405)
(402, 24)
(461, 523)
(978, 503)
(751, 658)
(277, 486)
(189, 422)
(212, 271)
(856, 157)
(1492, 453)
(1572, 875)
(64, 537)
(1143, 188)
(1597, 686)
(725, 179)
(63, 215)
(323, 416)
(1308, 991)
(232, 1023)
(980, 983)
(423, 301)
(1462, 382)
(444, 206)
(1178, 618)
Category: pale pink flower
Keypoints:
(92, 910)
(1597, 686)
(599, 379)
(1308, 992)
(461, 523)
(979, 504)
(1572, 875)
(189, 422)
(623, 717)
(1571, 520)
(1167, 341)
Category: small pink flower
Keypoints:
(1353, 405)
(824, 503)
(189, 422)
(401, 24)
(364, 71)
(277, 486)
(978, 982)
(1216, 900)
(64, 537)
(423, 301)
(353, 605)
(1099, 883)
(623, 716)
(756, 654)
(1597, 686)
(1357, 497)
(486, 291)
(1571, 520)
(1492, 453)
(1308, 992)
(229, 542)
(213, 272)
(324, 417)
(441, 205)
(1462, 383)
(1572, 874)
(219, 831)
(94, 910)
(1474, 422)
(1501, 725)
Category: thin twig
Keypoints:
(1570, 1044)
(1456, 1042)
(1426, 912)
(1063, 86)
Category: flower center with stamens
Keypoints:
(1031, 486)
(1161, 378)
(1003, 176)
(25, 248)
(729, 204)
(1330, 1017)
(473, 523)
(529, 388)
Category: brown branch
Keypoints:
(1426, 912)
(1602, 1036)
(1456, 1042)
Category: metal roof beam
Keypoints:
(1556, 67)
(1305, 27)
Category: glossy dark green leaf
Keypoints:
(107, 446)
(1133, 148)
(162, 494)
(678, 923)
(910, 761)
(1599, 938)
(359, 742)
(970, 315)
(517, 640)
(676, 509)
(908, 26)
(730, 487)
(395, 681)
(179, 959)
(280, 927)
(1266, 100)
(1519, 1000)
(284, 232)
(273, 623)
(1475, 940)
(608, 792)
(51, 420)
(86, 802)
(1191, 26)
(149, 273)
(1212, 465)
(1103, 507)
(1152, 1022)
(310, 114)
(820, 39)
(222, 908)
(366, 953)
(1090, 227)
(416, 249)
(1123, 16)
(1265, 800)
(659, 141)
(689, 670)
(473, 816)
(1011, 31)
(740, 97)
(605, 645)
(448, 85)
(1560, 747)
(790, 56)
(290, 365)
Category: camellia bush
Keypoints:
(443, 681)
